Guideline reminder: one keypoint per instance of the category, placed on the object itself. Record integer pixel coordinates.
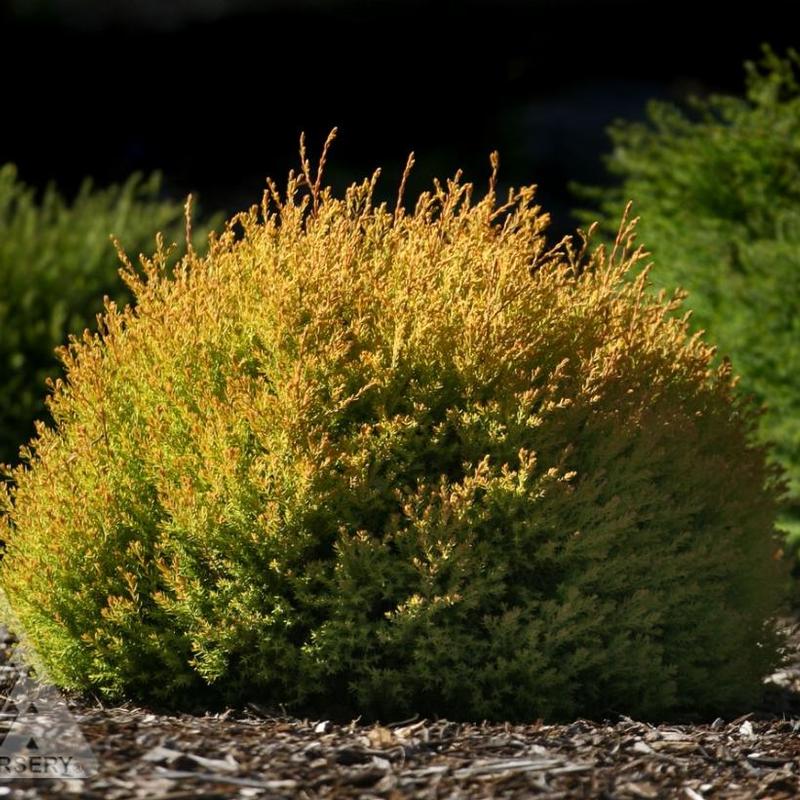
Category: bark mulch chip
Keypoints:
(248, 754)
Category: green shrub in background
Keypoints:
(56, 263)
(404, 462)
(718, 191)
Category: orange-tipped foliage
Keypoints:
(401, 462)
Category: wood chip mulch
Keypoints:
(249, 754)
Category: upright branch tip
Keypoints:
(624, 231)
(187, 213)
(403, 182)
(315, 186)
(494, 160)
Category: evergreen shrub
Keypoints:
(56, 263)
(717, 186)
(398, 462)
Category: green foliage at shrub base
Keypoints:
(404, 463)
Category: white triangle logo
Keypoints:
(40, 736)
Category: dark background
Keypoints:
(216, 92)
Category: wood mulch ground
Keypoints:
(252, 754)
